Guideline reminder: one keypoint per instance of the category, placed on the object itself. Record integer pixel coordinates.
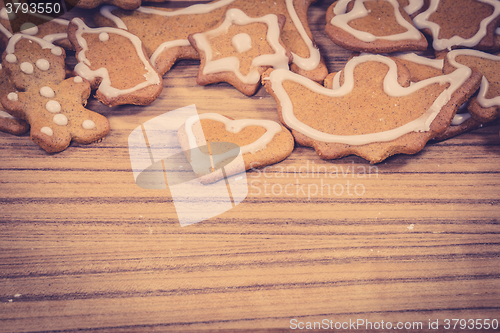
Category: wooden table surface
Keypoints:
(412, 240)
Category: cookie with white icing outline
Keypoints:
(240, 49)
(373, 111)
(485, 106)
(114, 62)
(8, 123)
(51, 104)
(460, 23)
(164, 31)
(375, 26)
(262, 142)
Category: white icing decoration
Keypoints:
(460, 118)
(435, 63)
(11, 46)
(55, 37)
(5, 31)
(83, 66)
(341, 20)
(106, 12)
(413, 6)
(421, 22)
(3, 14)
(103, 36)
(43, 64)
(4, 114)
(29, 28)
(53, 106)
(391, 87)
(47, 130)
(88, 124)
(235, 16)
(12, 96)
(312, 62)
(242, 42)
(483, 89)
(78, 79)
(60, 119)
(11, 58)
(1, 67)
(26, 68)
(235, 126)
(47, 92)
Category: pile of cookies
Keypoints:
(388, 99)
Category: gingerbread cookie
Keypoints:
(414, 7)
(114, 62)
(261, 142)
(376, 26)
(374, 112)
(240, 49)
(125, 4)
(485, 106)
(164, 31)
(460, 23)
(8, 123)
(51, 105)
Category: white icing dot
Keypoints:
(78, 79)
(47, 130)
(43, 64)
(56, 51)
(103, 36)
(27, 67)
(53, 106)
(11, 58)
(47, 92)
(242, 42)
(88, 124)
(7, 16)
(1, 67)
(29, 28)
(4, 114)
(12, 96)
(60, 119)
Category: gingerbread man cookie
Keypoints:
(8, 123)
(53, 106)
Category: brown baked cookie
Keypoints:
(260, 142)
(373, 111)
(8, 123)
(375, 26)
(125, 4)
(114, 62)
(460, 23)
(164, 31)
(485, 106)
(414, 7)
(461, 123)
(240, 49)
(51, 105)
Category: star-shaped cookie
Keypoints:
(240, 49)
(373, 111)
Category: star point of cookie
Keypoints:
(369, 114)
(460, 23)
(376, 26)
(114, 61)
(240, 49)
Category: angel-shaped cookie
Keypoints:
(373, 111)
(51, 104)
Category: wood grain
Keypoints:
(413, 239)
